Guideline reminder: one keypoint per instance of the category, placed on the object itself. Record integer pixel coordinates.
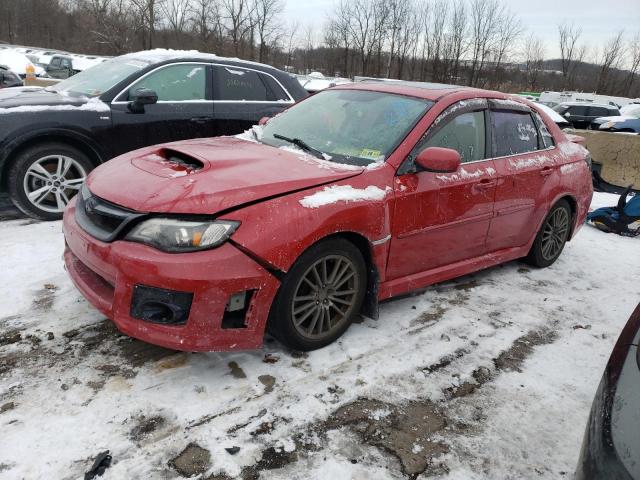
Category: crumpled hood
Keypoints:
(207, 176)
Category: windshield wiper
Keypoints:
(301, 144)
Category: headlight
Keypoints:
(172, 235)
(606, 125)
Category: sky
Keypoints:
(600, 19)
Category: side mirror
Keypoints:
(142, 97)
(438, 160)
(263, 121)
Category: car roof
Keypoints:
(426, 90)
(160, 55)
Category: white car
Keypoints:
(18, 62)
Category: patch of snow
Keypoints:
(344, 193)
(508, 102)
(462, 174)
(254, 134)
(92, 105)
(285, 445)
(534, 161)
(569, 167)
(417, 448)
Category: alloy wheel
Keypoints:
(51, 182)
(554, 234)
(325, 296)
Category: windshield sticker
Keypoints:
(370, 154)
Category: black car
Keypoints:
(581, 114)
(611, 445)
(51, 138)
(8, 78)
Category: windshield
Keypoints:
(98, 79)
(349, 126)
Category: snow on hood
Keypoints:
(233, 172)
(343, 193)
(90, 105)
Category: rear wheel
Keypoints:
(320, 296)
(44, 178)
(552, 236)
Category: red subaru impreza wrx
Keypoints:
(354, 195)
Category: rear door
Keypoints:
(184, 109)
(443, 218)
(526, 169)
(242, 96)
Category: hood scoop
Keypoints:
(169, 163)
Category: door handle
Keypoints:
(200, 119)
(546, 171)
(483, 185)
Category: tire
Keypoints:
(35, 171)
(552, 237)
(344, 271)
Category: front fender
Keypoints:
(279, 230)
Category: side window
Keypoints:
(233, 83)
(464, 133)
(56, 62)
(513, 132)
(175, 83)
(578, 110)
(276, 89)
(547, 138)
(598, 112)
(66, 63)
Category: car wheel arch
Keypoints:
(364, 245)
(19, 145)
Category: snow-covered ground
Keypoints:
(490, 376)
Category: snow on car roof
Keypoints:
(158, 55)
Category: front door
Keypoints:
(184, 109)
(443, 218)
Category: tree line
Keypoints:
(480, 43)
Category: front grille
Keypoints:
(100, 218)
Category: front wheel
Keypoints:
(44, 178)
(320, 296)
(552, 236)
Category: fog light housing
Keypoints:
(158, 305)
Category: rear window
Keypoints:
(513, 133)
(234, 83)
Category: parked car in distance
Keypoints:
(51, 138)
(553, 115)
(628, 122)
(60, 66)
(581, 114)
(8, 78)
(356, 194)
(611, 445)
(18, 63)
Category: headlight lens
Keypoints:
(606, 125)
(172, 235)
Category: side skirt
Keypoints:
(419, 280)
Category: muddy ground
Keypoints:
(488, 376)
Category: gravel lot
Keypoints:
(490, 376)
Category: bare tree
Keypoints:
(111, 24)
(176, 13)
(533, 59)
(206, 21)
(508, 29)
(634, 63)
(483, 32)
(238, 14)
(146, 12)
(570, 52)
(266, 13)
(610, 58)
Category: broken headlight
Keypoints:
(173, 235)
